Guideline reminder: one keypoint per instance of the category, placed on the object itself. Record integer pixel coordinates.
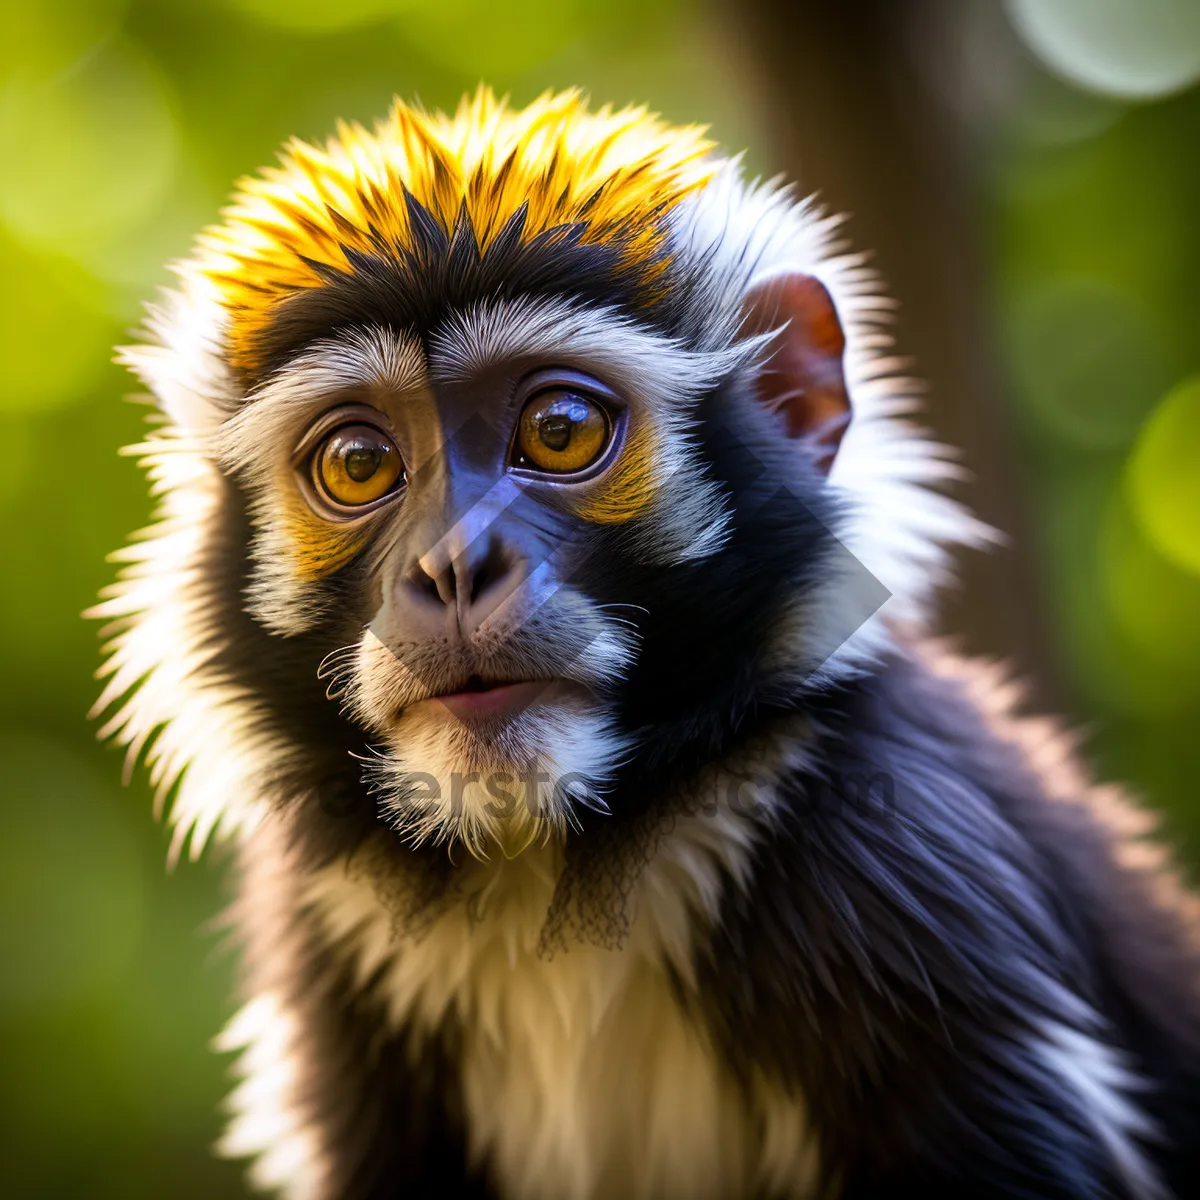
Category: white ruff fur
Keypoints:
(485, 796)
(583, 1077)
(264, 1126)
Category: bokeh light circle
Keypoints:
(54, 339)
(1153, 605)
(1088, 361)
(1051, 112)
(49, 35)
(89, 152)
(1136, 51)
(1163, 477)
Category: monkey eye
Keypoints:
(561, 431)
(356, 465)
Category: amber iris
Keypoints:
(357, 465)
(561, 432)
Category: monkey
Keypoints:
(540, 610)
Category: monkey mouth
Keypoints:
(483, 700)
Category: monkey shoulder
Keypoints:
(966, 949)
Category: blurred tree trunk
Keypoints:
(856, 121)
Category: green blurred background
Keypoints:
(123, 124)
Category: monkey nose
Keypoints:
(464, 585)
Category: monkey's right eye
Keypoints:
(357, 465)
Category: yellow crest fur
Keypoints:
(611, 171)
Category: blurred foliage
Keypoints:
(1096, 248)
(122, 126)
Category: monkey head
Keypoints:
(508, 462)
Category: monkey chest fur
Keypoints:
(582, 1075)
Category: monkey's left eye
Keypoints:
(561, 431)
(356, 465)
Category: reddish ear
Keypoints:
(802, 376)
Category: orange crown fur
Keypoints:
(612, 172)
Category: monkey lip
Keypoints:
(480, 701)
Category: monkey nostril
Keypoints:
(492, 570)
(438, 586)
(472, 580)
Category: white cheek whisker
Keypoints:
(336, 669)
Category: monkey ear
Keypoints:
(802, 375)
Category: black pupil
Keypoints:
(555, 431)
(362, 461)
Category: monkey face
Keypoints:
(495, 481)
(510, 544)
(484, 513)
